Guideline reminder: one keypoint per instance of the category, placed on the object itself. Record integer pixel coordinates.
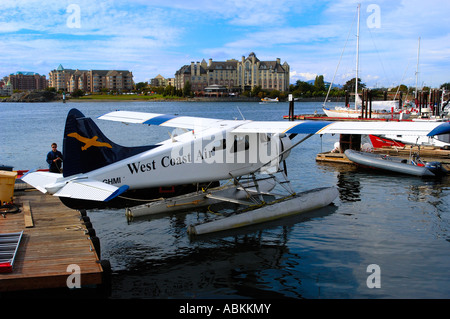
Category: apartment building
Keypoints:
(91, 80)
(59, 78)
(27, 81)
(235, 75)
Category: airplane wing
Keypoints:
(186, 122)
(298, 127)
(346, 127)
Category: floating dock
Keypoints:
(55, 241)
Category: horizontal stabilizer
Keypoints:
(90, 190)
(40, 179)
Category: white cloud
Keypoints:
(150, 36)
(303, 76)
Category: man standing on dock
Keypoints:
(54, 159)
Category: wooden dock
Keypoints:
(331, 157)
(54, 237)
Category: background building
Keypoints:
(90, 80)
(59, 78)
(5, 87)
(236, 76)
(27, 81)
(159, 80)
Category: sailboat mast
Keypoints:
(417, 69)
(357, 59)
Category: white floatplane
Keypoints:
(185, 170)
(269, 100)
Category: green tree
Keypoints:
(256, 90)
(169, 91)
(274, 93)
(445, 86)
(77, 93)
(319, 84)
(141, 86)
(350, 85)
(187, 89)
(402, 87)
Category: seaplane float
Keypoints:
(212, 160)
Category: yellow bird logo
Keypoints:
(88, 142)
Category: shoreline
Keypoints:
(201, 99)
(36, 97)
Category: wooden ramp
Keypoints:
(54, 238)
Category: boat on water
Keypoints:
(378, 109)
(347, 112)
(380, 142)
(442, 141)
(413, 166)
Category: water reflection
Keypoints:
(401, 223)
(253, 262)
(348, 182)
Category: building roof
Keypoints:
(24, 73)
(186, 69)
(271, 65)
(223, 65)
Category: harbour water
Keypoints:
(398, 223)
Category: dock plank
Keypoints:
(28, 216)
(58, 239)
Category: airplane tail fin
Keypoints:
(86, 148)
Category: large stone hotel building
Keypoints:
(234, 75)
(90, 80)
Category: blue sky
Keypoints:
(159, 36)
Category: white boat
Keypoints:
(442, 140)
(347, 112)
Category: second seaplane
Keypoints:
(188, 170)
